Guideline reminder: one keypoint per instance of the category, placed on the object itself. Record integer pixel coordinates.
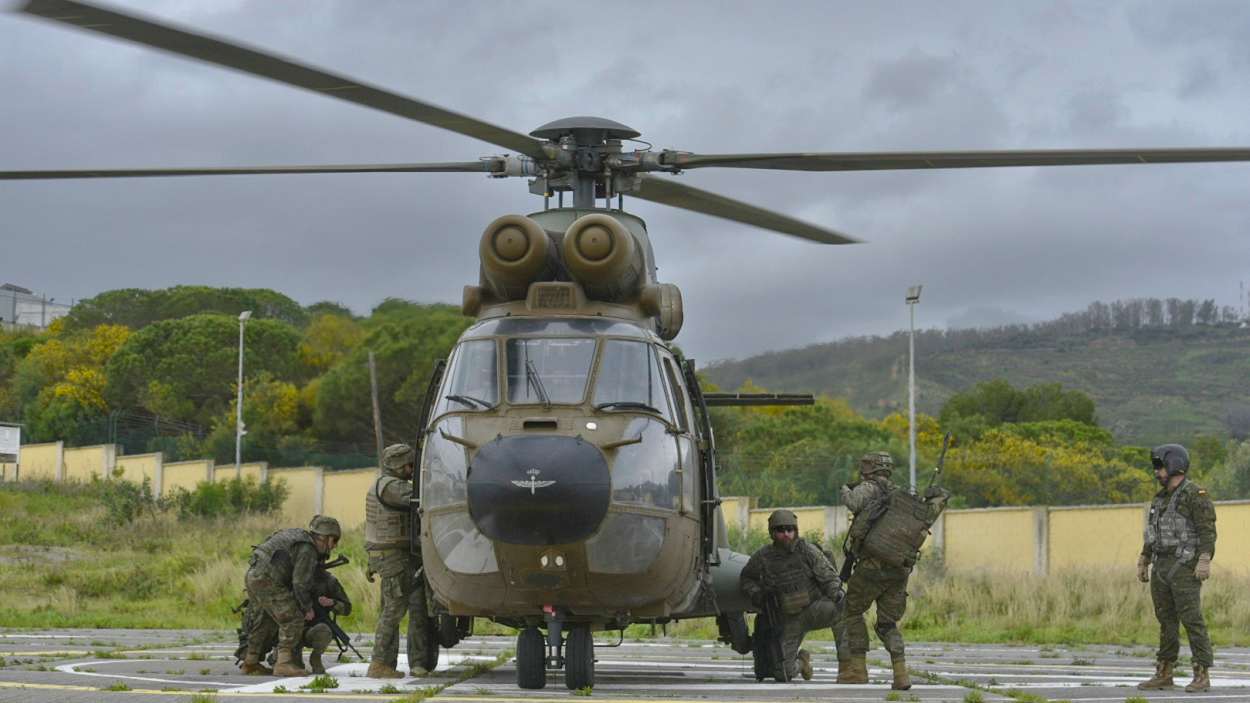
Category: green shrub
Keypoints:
(229, 498)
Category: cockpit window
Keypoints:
(629, 378)
(546, 371)
(473, 381)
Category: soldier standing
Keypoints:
(881, 572)
(1179, 544)
(387, 527)
(805, 584)
(280, 582)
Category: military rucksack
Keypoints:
(894, 538)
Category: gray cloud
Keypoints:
(711, 77)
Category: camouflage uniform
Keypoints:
(263, 630)
(806, 585)
(1181, 527)
(387, 526)
(872, 581)
(280, 583)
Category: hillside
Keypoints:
(1150, 384)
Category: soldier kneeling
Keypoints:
(258, 626)
(794, 577)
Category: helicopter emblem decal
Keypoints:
(532, 483)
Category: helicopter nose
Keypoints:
(536, 490)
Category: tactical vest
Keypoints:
(385, 527)
(790, 576)
(894, 538)
(1168, 531)
(274, 553)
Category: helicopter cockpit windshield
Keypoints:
(548, 369)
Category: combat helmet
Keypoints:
(876, 462)
(1172, 457)
(397, 456)
(782, 518)
(325, 525)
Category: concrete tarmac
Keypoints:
(154, 666)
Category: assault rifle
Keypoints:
(767, 652)
(321, 613)
(941, 462)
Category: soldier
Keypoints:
(1179, 544)
(280, 583)
(259, 627)
(880, 574)
(387, 525)
(806, 586)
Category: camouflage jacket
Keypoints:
(779, 569)
(1197, 514)
(324, 584)
(290, 559)
(858, 496)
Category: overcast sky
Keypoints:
(990, 245)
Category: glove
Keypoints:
(838, 596)
(1143, 569)
(1202, 571)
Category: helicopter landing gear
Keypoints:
(579, 662)
(531, 659)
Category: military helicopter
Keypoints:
(567, 473)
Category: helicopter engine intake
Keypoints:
(515, 252)
(601, 254)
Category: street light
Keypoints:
(913, 297)
(238, 424)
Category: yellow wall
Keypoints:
(345, 495)
(303, 487)
(1095, 536)
(1000, 539)
(40, 461)
(255, 471)
(185, 475)
(136, 467)
(1232, 536)
(84, 463)
(734, 509)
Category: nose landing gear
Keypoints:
(574, 653)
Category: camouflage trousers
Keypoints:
(819, 613)
(281, 609)
(402, 593)
(262, 630)
(1177, 596)
(887, 586)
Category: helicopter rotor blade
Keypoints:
(482, 166)
(231, 55)
(668, 192)
(885, 161)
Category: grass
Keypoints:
(119, 686)
(162, 572)
(321, 683)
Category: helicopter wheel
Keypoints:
(579, 659)
(531, 659)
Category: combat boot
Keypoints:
(251, 666)
(379, 670)
(902, 680)
(1162, 678)
(314, 662)
(1202, 680)
(805, 664)
(418, 670)
(853, 670)
(287, 665)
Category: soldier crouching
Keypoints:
(798, 579)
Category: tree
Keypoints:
(136, 308)
(997, 402)
(328, 339)
(187, 367)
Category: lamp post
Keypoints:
(238, 424)
(913, 297)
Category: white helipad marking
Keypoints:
(73, 669)
(351, 678)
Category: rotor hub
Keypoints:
(585, 130)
